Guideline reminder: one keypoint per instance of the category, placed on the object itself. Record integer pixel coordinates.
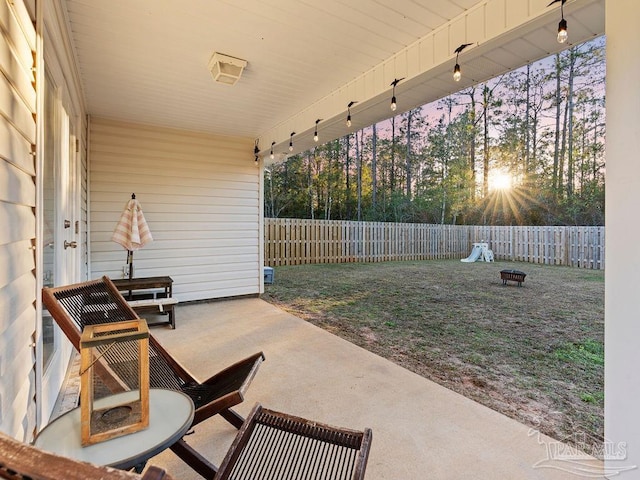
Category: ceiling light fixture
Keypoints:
(271, 154)
(457, 74)
(393, 95)
(291, 141)
(563, 35)
(351, 104)
(225, 69)
(256, 151)
(315, 132)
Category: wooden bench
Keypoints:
(513, 275)
(160, 305)
(150, 294)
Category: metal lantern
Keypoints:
(114, 380)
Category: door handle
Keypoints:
(73, 244)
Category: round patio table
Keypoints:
(170, 416)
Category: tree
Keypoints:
(543, 124)
(407, 157)
(374, 168)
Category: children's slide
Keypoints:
(480, 252)
(476, 252)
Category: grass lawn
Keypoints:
(534, 353)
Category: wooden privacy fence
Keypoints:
(295, 242)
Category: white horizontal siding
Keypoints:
(17, 223)
(200, 195)
(18, 377)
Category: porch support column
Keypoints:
(622, 276)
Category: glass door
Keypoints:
(60, 255)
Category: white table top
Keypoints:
(170, 416)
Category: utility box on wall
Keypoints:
(268, 275)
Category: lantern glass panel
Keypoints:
(114, 379)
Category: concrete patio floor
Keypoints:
(420, 429)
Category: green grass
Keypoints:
(589, 353)
(524, 351)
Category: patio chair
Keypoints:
(19, 461)
(98, 301)
(275, 445)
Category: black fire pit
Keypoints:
(513, 275)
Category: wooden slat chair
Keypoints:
(277, 446)
(98, 301)
(19, 461)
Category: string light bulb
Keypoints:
(315, 132)
(271, 155)
(395, 82)
(351, 104)
(291, 141)
(563, 35)
(457, 73)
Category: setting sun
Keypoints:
(499, 180)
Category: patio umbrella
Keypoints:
(132, 231)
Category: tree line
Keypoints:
(526, 148)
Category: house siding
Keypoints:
(17, 218)
(201, 198)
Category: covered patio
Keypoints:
(420, 429)
(100, 99)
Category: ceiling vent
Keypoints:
(226, 69)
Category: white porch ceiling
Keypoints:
(145, 61)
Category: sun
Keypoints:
(500, 180)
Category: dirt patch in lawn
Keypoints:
(534, 353)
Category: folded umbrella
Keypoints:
(132, 231)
